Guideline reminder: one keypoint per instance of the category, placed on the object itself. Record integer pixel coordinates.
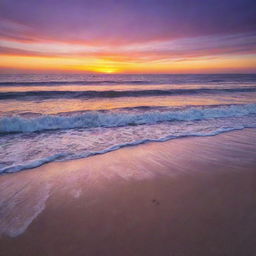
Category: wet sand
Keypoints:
(185, 197)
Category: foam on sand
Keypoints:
(20, 204)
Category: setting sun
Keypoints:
(106, 70)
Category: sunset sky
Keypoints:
(128, 36)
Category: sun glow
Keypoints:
(106, 70)
(93, 64)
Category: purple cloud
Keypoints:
(122, 22)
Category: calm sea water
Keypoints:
(46, 118)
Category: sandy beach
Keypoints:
(186, 197)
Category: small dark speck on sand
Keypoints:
(156, 202)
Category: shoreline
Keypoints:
(35, 165)
(192, 196)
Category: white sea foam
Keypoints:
(16, 213)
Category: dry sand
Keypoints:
(186, 197)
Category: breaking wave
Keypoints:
(93, 119)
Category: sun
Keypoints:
(106, 70)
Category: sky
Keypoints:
(128, 36)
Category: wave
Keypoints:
(33, 164)
(65, 156)
(75, 82)
(114, 94)
(92, 119)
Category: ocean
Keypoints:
(45, 118)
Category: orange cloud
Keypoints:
(219, 64)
